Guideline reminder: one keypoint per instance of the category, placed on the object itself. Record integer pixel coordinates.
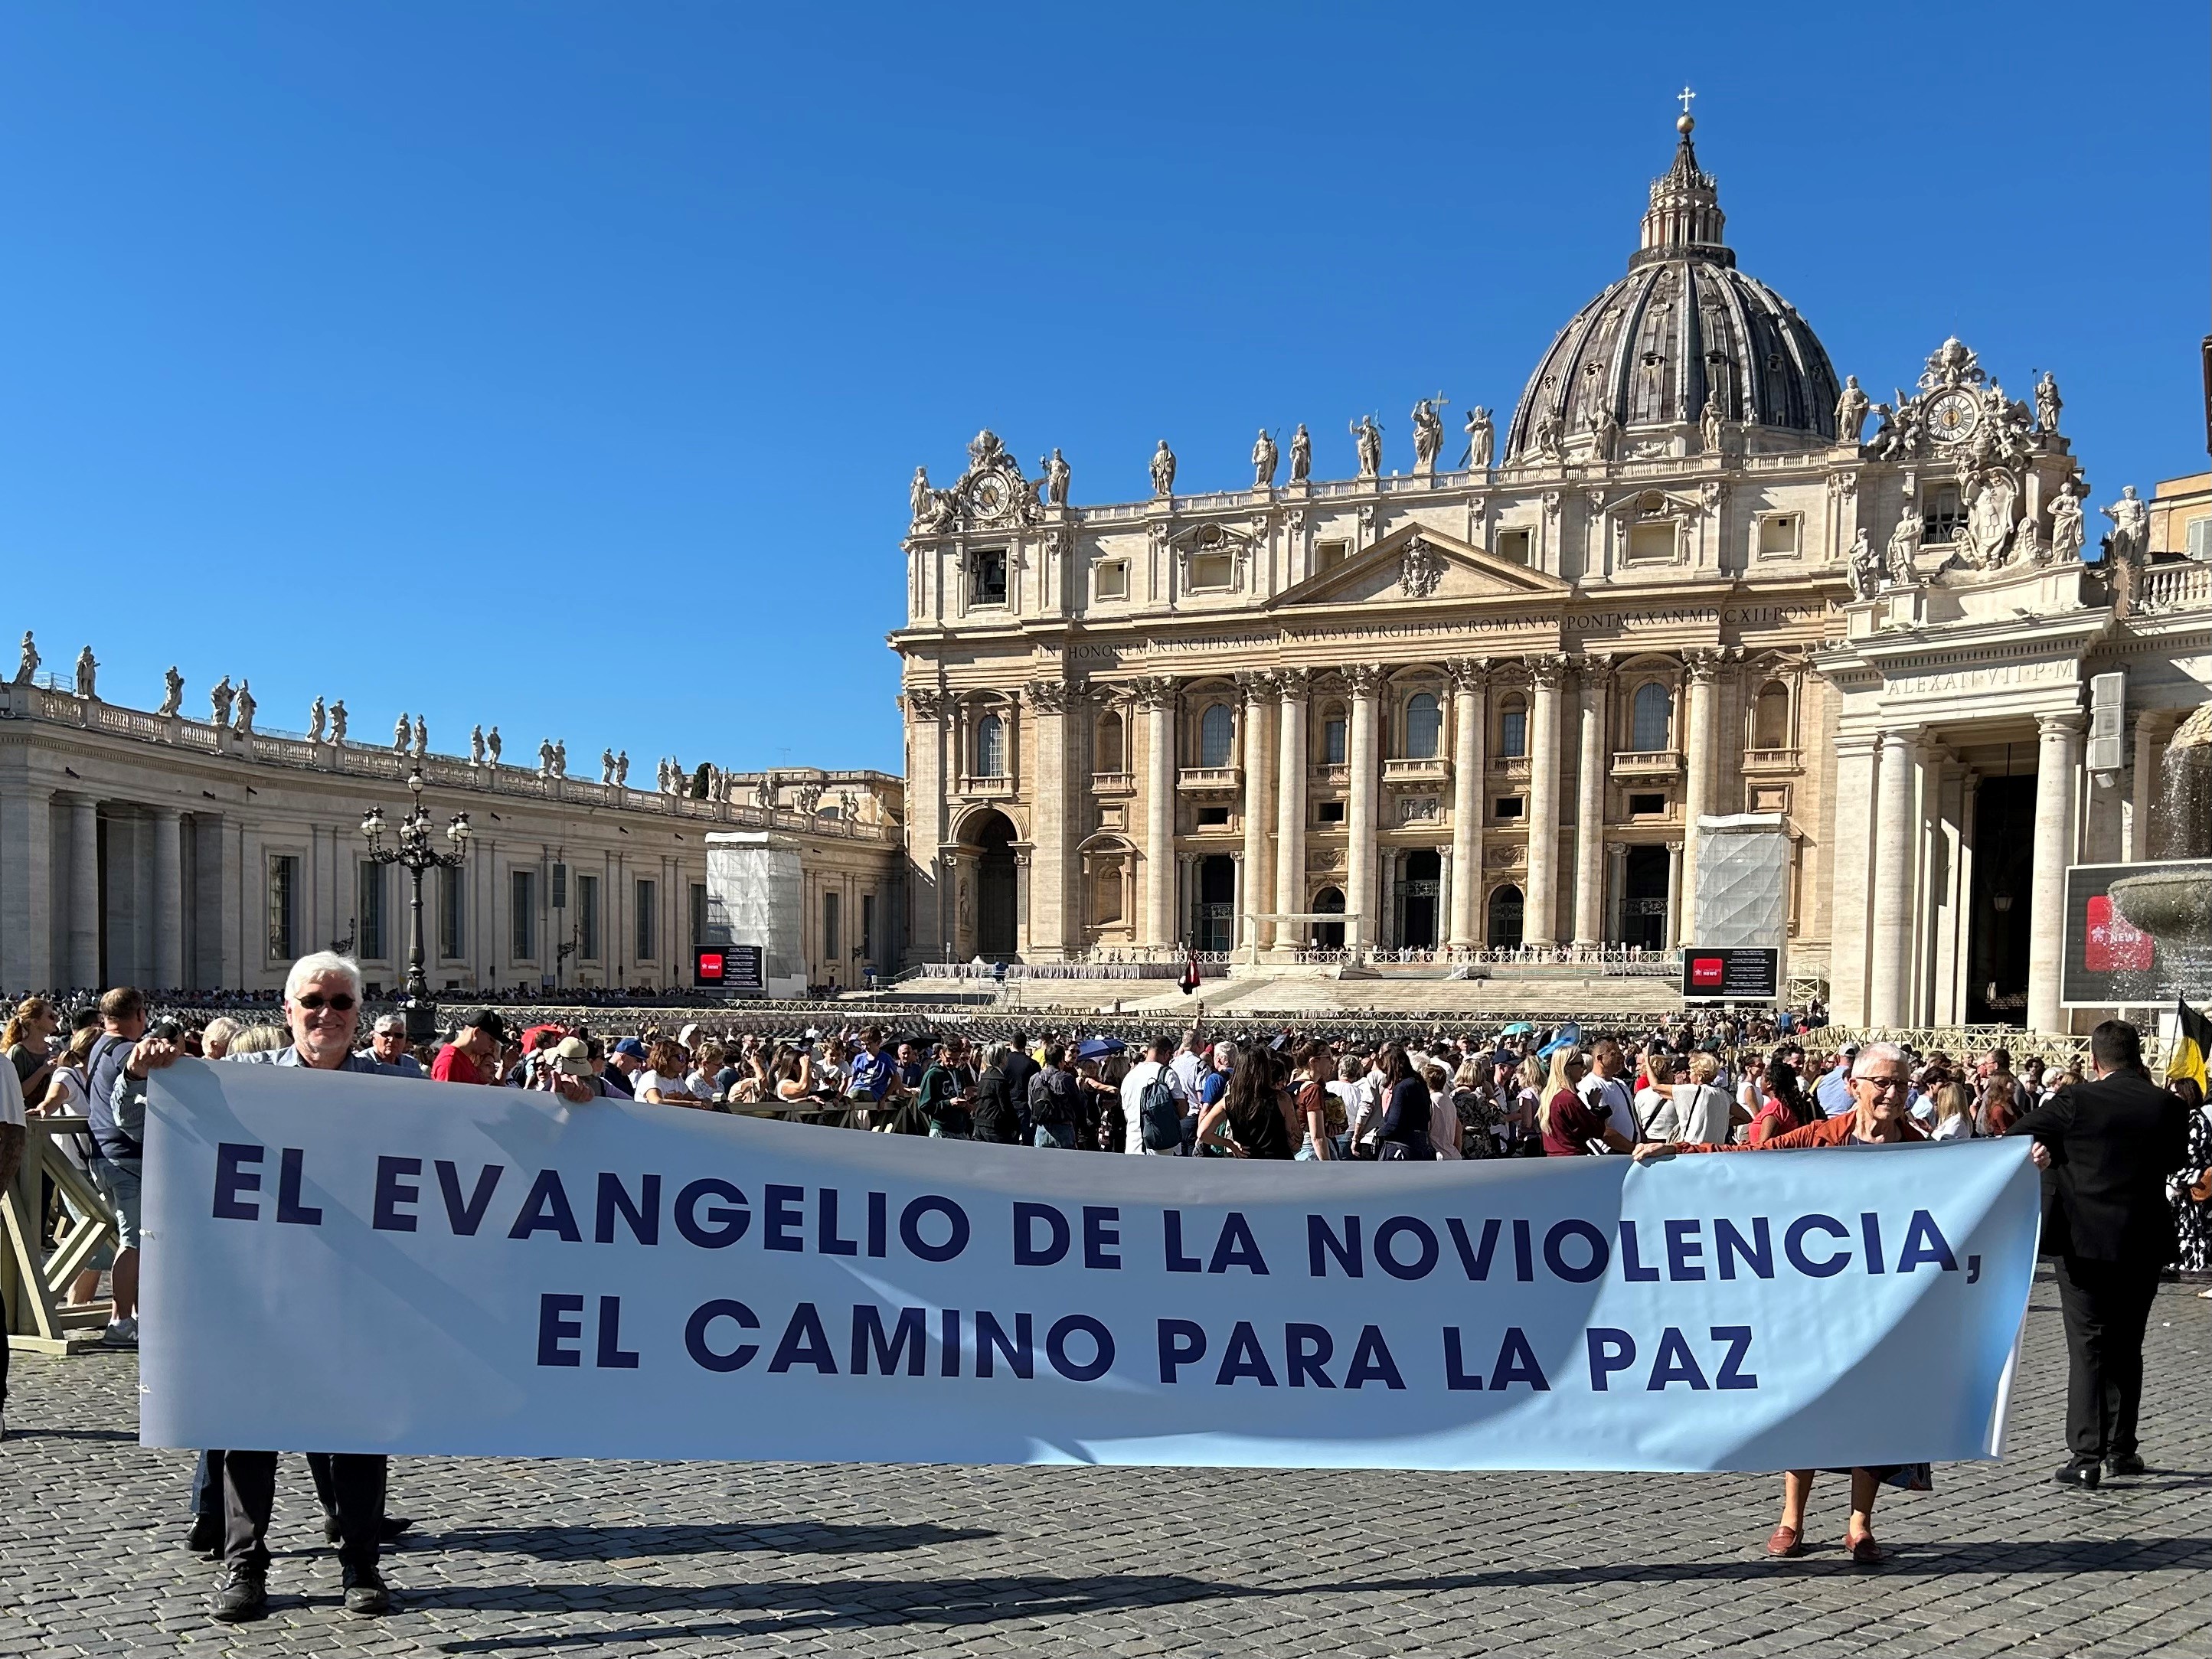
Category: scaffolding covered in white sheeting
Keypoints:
(754, 896)
(1743, 881)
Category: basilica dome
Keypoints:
(1683, 326)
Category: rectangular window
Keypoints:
(1113, 581)
(1214, 817)
(1332, 741)
(830, 941)
(1329, 554)
(1211, 571)
(1507, 806)
(1328, 811)
(645, 921)
(1647, 806)
(1777, 535)
(698, 914)
(1942, 514)
(284, 908)
(587, 917)
(452, 912)
(1654, 543)
(2198, 540)
(522, 916)
(1513, 546)
(368, 913)
(867, 926)
(988, 577)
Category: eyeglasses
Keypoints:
(314, 1002)
(1889, 1086)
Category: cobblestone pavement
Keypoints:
(521, 1558)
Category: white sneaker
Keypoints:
(120, 1334)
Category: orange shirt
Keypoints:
(1828, 1132)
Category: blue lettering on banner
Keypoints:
(1322, 1241)
(1237, 1248)
(1924, 1242)
(1793, 1246)
(1371, 1361)
(465, 1215)
(702, 1352)
(1306, 1352)
(231, 1177)
(1730, 1246)
(993, 1345)
(290, 1163)
(1102, 1237)
(827, 1239)
(906, 1347)
(393, 1190)
(1683, 1249)
(1029, 1251)
(613, 1356)
(642, 1217)
(1242, 1359)
(1425, 1247)
(1475, 1259)
(804, 1343)
(1093, 1331)
(910, 1233)
(782, 1214)
(717, 1228)
(560, 1322)
(1632, 1260)
(546, 1210)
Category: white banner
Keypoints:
(350, 1263)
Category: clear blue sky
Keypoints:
(563, 366)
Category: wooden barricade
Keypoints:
(34, 1282)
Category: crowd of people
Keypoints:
(1706, 1083)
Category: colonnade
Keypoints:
(1566, 851)
(52, 897)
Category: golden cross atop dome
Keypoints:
(1685, 121)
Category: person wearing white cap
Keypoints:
(571, 1073)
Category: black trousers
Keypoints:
(207, 1482)
(355, 1498)
(2106, 1305)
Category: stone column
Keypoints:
(1851, 881)
(169, 897)
(27, 959)
(2058, 754)
(1703, 713)
(1468, 677)
(1252, 887)
(1048, 919)
(1291, 806)
(1589, 809)
(1157, 697)
(929, 923)
(2148, 795)
(1541, 928)
(1673, 934)
(1616, 892)
(1896, 831)
(1365, 681)
(83, 964)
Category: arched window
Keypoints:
(1650, 714)
(1332, 738)
(1769, 717)
(1217, 733)
(990, 747)
(1106, 748)
(1513, 727)
(1425, 724)
(1505, 909)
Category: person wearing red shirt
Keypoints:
(470, 1057)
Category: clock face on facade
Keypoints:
(990, 496)
(1952, 415)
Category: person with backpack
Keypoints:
(1152, 1102)
(1053, 1104)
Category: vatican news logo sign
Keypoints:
(736, 969)
(1733, 972)
(2108, 963)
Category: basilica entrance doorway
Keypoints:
(1643, 898)
(1998, 916)
(1418, 890)
(1216, 918)
(997, 895)
(1329, 935)
(1505, 917)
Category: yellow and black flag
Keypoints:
(2192, 1046)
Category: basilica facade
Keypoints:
(1487, 712)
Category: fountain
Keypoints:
(2174, 905)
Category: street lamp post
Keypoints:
(415, 854)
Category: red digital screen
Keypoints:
(1706, 972)
(710, 965)
(2113, 946)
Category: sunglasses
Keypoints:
(314, 1002)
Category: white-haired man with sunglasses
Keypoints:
(322, 1006)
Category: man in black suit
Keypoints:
(2105, 1149)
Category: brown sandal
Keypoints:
(1864, 1552)
(1785, 1542)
